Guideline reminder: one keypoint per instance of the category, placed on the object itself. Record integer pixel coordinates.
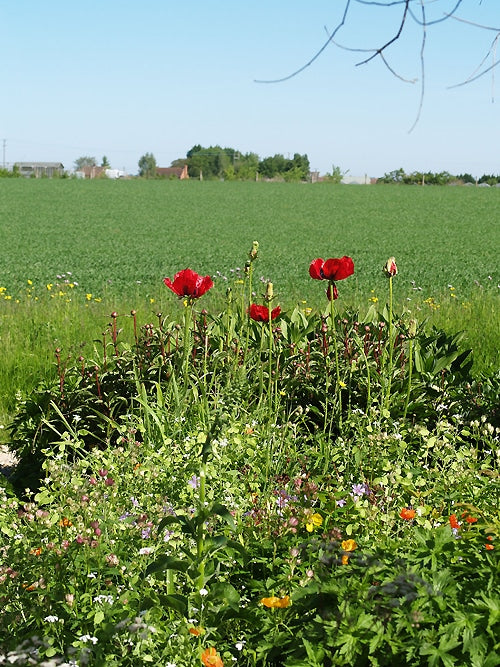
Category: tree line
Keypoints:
(400, 177)
(230, 164)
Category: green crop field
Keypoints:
(111, 235)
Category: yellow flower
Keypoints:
(49, 286)
(30, 282)
(98, 299)
(315, 521)
(349, 545)
(276, 603)
(345, 559)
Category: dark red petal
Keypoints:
(315, 269)
(203, 285)
(338, 268)
(335, 292)
(171, 286)
(275, 312)
(258, 313)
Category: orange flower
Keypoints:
(210, 658)
(470, 519)
(489, 547)
(36, 552)
(276, 603)
(349, 545)
(196, 631)
(65, 522)
(345, 559)
(407, 514)
(454, 522)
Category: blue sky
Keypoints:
(121, 78)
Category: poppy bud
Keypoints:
(412, 328)
(269, 292)
(390, 267)
(254, 251)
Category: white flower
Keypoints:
(88, 638)
(104, 598)
(145, 551)
(51, 619)
(203, 591)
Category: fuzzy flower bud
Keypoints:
(390, 268)
(254, 251)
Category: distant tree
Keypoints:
(336, 175)
(467, 178)
(490, 179)
(147, 165)
(105, 162)
(396, 176)
(85, 161)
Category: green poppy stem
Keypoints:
(270, 369)
(410, 371)
(188, 316)
(338, 388)
(391, 346)
(200, 535)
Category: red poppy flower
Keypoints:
(188, 283)
(454, 522)
(407, 514)
(332, 269)
(261, 313)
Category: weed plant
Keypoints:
(213, 487)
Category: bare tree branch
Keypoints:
(422, 68)
(316, 56)
(358, 50)
(491, 51)
(423, 22)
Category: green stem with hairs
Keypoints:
(391, 345)
(338, 388)
(188, 316)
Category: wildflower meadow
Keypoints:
(246, 480)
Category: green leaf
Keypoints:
(177, 602)
(223, 512)
(99, 617)
(226, 593)
(167, 563)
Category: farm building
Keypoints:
(173, 172)
(39, 169)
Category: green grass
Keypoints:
(112, 234)
(119, 239)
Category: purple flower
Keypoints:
(146, 533)
(194, 482)
(359, 490)
(341, 502)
